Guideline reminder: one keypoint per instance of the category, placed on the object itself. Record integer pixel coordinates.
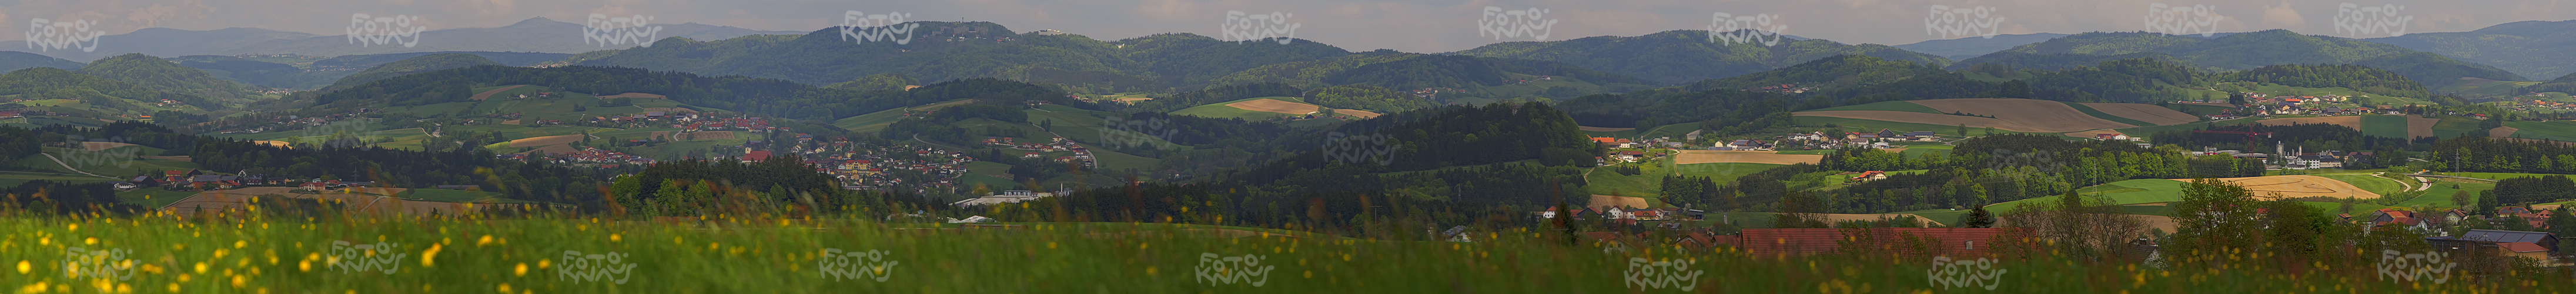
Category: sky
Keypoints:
(1356, 25)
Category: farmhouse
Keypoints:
(1950, 242)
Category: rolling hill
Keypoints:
(2018, 115)
(531, 35)
(420, 64)
(1679, 56)
(2528, 48)
(1971, 47)
(2272, 47)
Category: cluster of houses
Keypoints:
(1057, 144)
(200, 180)
(589, 157)
(867, 171)
(2537, 245)
(1784, 88)
(293, 120)
(751, 124)
(1003, 197)
(1433, 92)
(2306, 105)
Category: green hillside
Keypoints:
(1681, 56)
(423, 63)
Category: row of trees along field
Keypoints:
(1985, 170)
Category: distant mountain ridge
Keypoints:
(2246, 51)
(1971, 47)
(2534, 49)
(532, 35)
(1681, 56)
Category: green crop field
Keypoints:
(1886, 106)
(2391, 126)
(2374, 184)
(2553, 130)
(2119, 193)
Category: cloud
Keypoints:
(2283, 17)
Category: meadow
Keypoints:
(162, 254)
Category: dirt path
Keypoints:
(68, 166)
(488, 94)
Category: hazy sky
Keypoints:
(1357, 25)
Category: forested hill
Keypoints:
(1415, 71)
(940, 51)
(2272, 47)
(163, 75)
(1433, 139)
(772, 97)
(1680, 56)
(2356, 77)
(420, 64)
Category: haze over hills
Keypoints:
(1972, 47)
(2534, 49)
(1680, 56)
(2273, 47)
(532, 35)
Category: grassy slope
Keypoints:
(1219, 110)
(2555, 130)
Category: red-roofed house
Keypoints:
(2525, 249)
(755, 156)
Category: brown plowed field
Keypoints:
(2051, 115)
(1606, 201)
(1362, 114)
(488, 94)
(633, 95)
(1712, 156)
(1270, 105)
(2502, 132)
(2149, 113)
(2299, 186)
(546, 140)
(96, 146)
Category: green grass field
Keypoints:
(2119, 193)
(2455, 126)
(2378, 185)
(1886, 106)
(539, 256)
(2554, 130)
(2391, 126)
